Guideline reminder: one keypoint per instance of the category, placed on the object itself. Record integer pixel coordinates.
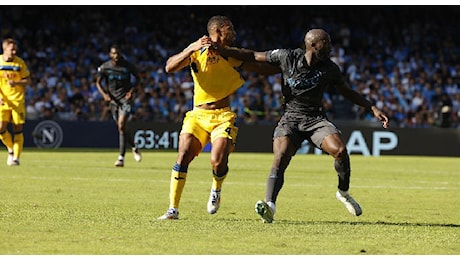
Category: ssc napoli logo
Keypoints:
(48, 134)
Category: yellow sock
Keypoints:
(18, 144)
(218, 181)
(7, 140)
(178, 177)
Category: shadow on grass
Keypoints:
(382, 223)
(291, 222)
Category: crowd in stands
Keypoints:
(406, 59)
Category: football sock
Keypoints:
(121, 141)
(18, 144)
(218, 179)
(343, 171)
(130, 139)
(7, 140)
(275, 182)
(178, 177)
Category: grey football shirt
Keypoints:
(118, 78)
(303, 86)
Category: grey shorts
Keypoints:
(300, 127)
(120, 109)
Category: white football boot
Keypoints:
(265, 210)
(213, 202)
(172, 213)
(137, 154)
(350, 203)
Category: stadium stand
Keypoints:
(404, 58)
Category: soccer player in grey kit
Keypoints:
(119, 91)
(306, 75)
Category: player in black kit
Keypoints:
(306, 75)
(119, 91)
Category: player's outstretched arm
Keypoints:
(358, 99)
(254, 61)
(239, 53)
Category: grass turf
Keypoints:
(75, 202)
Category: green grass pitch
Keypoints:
(75, 202)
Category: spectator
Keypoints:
(403, 65)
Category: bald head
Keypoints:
(315, 35)
(318, 42)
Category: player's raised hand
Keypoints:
(381, 116)
(202, 42)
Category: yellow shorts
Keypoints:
(208, 125)
(13, 112)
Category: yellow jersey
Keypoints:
(214, 76)
(15, 70)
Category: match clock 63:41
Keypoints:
(148, 139)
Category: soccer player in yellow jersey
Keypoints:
(211, 120)
(14, 76)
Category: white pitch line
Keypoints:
(167, 180)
